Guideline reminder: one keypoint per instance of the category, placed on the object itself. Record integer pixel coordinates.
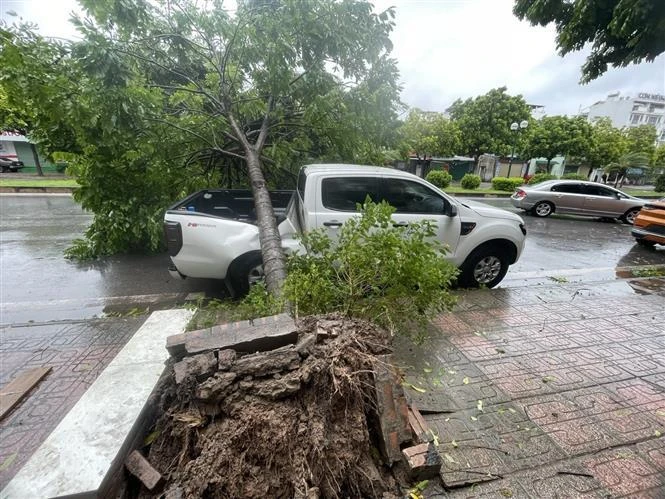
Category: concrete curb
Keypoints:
(88, 443)
(36, 190)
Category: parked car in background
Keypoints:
(649, 226)
(576, 197)
(10, 165)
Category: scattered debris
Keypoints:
(12, 393)
(139, 466)
(423, 460)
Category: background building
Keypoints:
(626, 111)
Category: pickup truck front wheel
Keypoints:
(484, 267)
(246, 272)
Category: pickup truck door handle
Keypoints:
(332, 224)
(400, 224)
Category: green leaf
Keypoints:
(416, 388)
(466, 380)
(9, 460)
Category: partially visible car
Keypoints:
(649, 226)
(576, 197)
(10, 165)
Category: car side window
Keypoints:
(345, 193)
(411, 197)
(567, 188)
(597, 190)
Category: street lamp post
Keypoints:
(515, 127)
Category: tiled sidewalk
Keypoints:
(548, 391)
(77, 352)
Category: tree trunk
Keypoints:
(35, 155)
(274, 261)
(549, 162)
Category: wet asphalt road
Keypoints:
(37, 284)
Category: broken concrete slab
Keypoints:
(275, 389)
(423, 460)
(391, 409)
(195, 366)
(259, 335)
(267, 363)
(216, 386)
(139, 466)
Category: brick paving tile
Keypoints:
(77, 352)
(548, 384)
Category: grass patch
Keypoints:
(210, 312)
(648, 272)
(642, 192)
(28, 182)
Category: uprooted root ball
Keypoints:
(291, 422)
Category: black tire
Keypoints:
(542, 209)
(486, 266)
(645, 243)
(245, 272)
(629, 216)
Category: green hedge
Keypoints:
(440, 178)
(470, 181)
(506, 184)
(541, 177)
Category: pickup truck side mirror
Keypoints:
(452, 210)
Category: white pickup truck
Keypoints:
(213, 233)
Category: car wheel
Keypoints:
(645, 243)
(543, 209)
(484, 267)
(247, 275)
(630, 215)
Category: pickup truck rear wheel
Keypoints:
(486, 266)
(247, 273)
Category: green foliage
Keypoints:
(427, 133)
(439, 178)
(484, 122)
(574, 176)
(620, 32)
(540, 177)
(660, 183)
(641, 140)
(470, 181)
(395, 276)
(607, 144)
(659, 157)
(145, 102)
(506, 184)
(558, 135)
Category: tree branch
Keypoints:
(260, 142)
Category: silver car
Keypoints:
(574, 197)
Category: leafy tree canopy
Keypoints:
(558, 135)
(239, 98)
(641, 139)
(621, 32)
(607, 145)
(484, 121)
(428, 133)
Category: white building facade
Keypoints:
(627, 111)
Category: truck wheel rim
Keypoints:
(543, 209)
(255, 275)
(487, 270)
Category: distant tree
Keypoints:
(558, 135)
(607, 144)
(621, 32)
(428, 133)
(626, 161)
(484, 121)
(641, 139)
(659, 157)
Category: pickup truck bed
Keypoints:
(234, 204)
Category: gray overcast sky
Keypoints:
(456, 48)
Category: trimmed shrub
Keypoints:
(660, 183)
(541, 177)
(506, 184)
(470, 181)
(574, 176)
(439, 178)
